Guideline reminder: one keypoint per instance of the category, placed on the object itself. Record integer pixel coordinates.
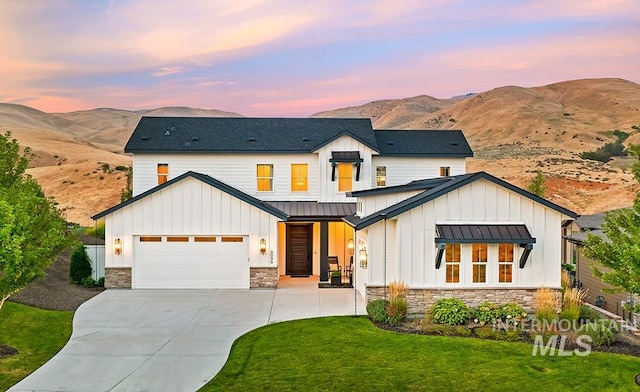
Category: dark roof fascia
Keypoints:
(318, 146)
(207, 180)
(455, 183)
(248, 152)
(412, 186)
(427, 155)
(300, 218)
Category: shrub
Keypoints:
(588, 314)
(80, 265)
(487, 332)
(512, 313)
(447, 330)
(486, 313)
(545, 304)
(450, 311)
(572, 301)
(396, 311)
(376, 310)
(599, 332)
(88, 282)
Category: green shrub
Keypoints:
(88, 282)
(376, 310)
(512, 313)
(100, 282)
(446, 330)
(588, 314)
(396, 311)
(80, 265)
(486, 313)
(450, 311)
(600, 332)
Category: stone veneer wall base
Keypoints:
(421, 299)
(263, 277)
(117, 277)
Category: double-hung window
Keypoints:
(505, 263)
(452, 263)
(479, 263)
(163, 173)
(299, 177)
(381, 176)
(345, 177)
(265, 178)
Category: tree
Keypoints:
(127, 192)
(536, 186)
(618, 255)
(32, 229)
(80, 265)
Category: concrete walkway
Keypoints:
(173, 340)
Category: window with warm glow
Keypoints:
(265, 178)
(345, 177)
(163, 173)
(381, 176)
(299, 177)
(445, 171)
(505, 263)
(452, 263)
(479, 262)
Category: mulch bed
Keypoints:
(6, 351)
(618, 347)
(54, 291)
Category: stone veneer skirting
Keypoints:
(421, 299)
(263, 277)
(117, 277)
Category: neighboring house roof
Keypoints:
(243, 134)
(301, 210)
(436, 143)
(287, 135)
(589, 224)
(207, 180)
(443, 188)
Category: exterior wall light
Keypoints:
(117, 246)
(350, 246)
(363, 258)
(263, 246)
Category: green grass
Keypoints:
(37, 335)
(350, 354)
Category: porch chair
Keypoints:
(334, 265)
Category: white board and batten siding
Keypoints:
(374, 203)
(329, 189)
(236, 170)
(481, 202)
(190, 208)
(402, 170)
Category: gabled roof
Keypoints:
(207, 180)
(411, 186)
(244, 134)
(442, 189)
(433, 143)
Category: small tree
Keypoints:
(32, 229)
(619, 253)
(80, 265)
(536, 186)
(127, 192)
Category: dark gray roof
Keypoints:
(345, 156)
(417, 185)
(437, 143)
(443, 188)
(590, 222)
(243, 134)
(283, 135)
(312, 209)
(207, 180)
(494, 233)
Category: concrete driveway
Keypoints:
(172, 340)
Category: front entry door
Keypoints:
(299, 249)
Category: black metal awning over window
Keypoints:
(345, 157)
(484, 233)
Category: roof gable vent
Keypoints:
(144, 137)
(305, 139)
(195, 139)
(251, 139)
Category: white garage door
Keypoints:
(193, 262)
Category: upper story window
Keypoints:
(445, 171)
(264, 177)
(163, 173)
(505, 263)
(381, 176)
(299, 177)
(345, 177)
(452, 263)
(479, 263)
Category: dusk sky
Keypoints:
(295, 58)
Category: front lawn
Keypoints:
(37, 334)
(350, 354)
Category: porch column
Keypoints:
(324, 251)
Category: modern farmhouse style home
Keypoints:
(238, 202)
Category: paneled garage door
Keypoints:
(190, 262)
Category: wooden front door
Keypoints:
(299, 249)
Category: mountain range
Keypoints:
(513, 131)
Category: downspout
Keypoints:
(384, 256)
